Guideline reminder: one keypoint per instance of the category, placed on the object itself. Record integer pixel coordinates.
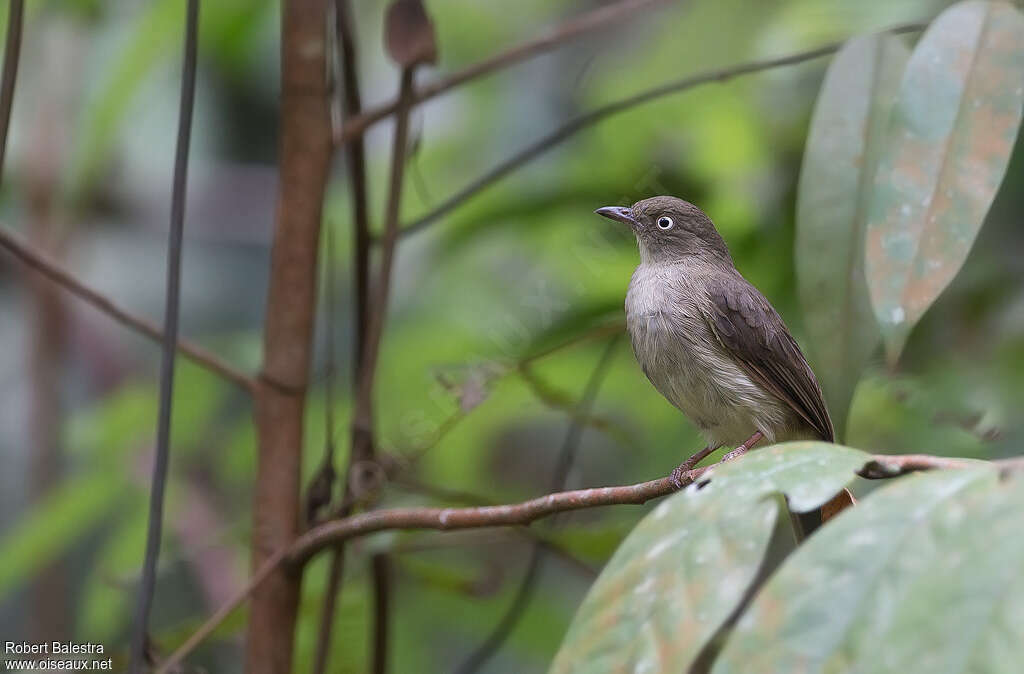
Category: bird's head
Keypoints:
(668, 229)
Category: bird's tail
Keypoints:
(810, 521)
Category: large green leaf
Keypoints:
(845, 140)
(949, 140)
(924, 575)
(684, 568)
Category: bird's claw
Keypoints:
(735, 454)
(677, 475)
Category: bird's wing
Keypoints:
(747, 326)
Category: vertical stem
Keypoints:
(381, 612)
(170, 342)
(362, 418)
(363, 415)
(369, 323)
(305, 153)
(355, 157)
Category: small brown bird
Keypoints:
(708, 340)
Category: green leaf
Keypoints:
(843, 146)
(66, 515)
(924, 575)
(679, 574)
(949, 140)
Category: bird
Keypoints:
(708, 340)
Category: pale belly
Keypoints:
(683, 359)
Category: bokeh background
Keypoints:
(522, 267)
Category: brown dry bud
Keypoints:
(409, 34)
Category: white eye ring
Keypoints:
(665, 222)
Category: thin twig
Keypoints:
(362, 421)
(381, 290)
(12, 53)
(597, 19)
(147, 585)
(566, 458)
(573, 126)
(332, 361)
(355, 155)
(449, 519)
(369, 326)
(355, 159)
(320, 491)
(52, 270)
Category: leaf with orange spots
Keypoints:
(948, 143)
(685, 567)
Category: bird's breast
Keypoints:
(683, 358)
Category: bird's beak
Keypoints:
(620, 213)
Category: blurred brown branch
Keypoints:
(597, 19)
(51, 269)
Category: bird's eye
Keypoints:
(665, 222)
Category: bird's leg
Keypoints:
(689, 464)
(744, 448)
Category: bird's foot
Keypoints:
(680, 471)
(744, 448)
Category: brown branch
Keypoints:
(305, 151)
(370, 316)
(597, 19)
(355, 158)
(573, 126)
(449, 519)
(362, 416)
(52, 270)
